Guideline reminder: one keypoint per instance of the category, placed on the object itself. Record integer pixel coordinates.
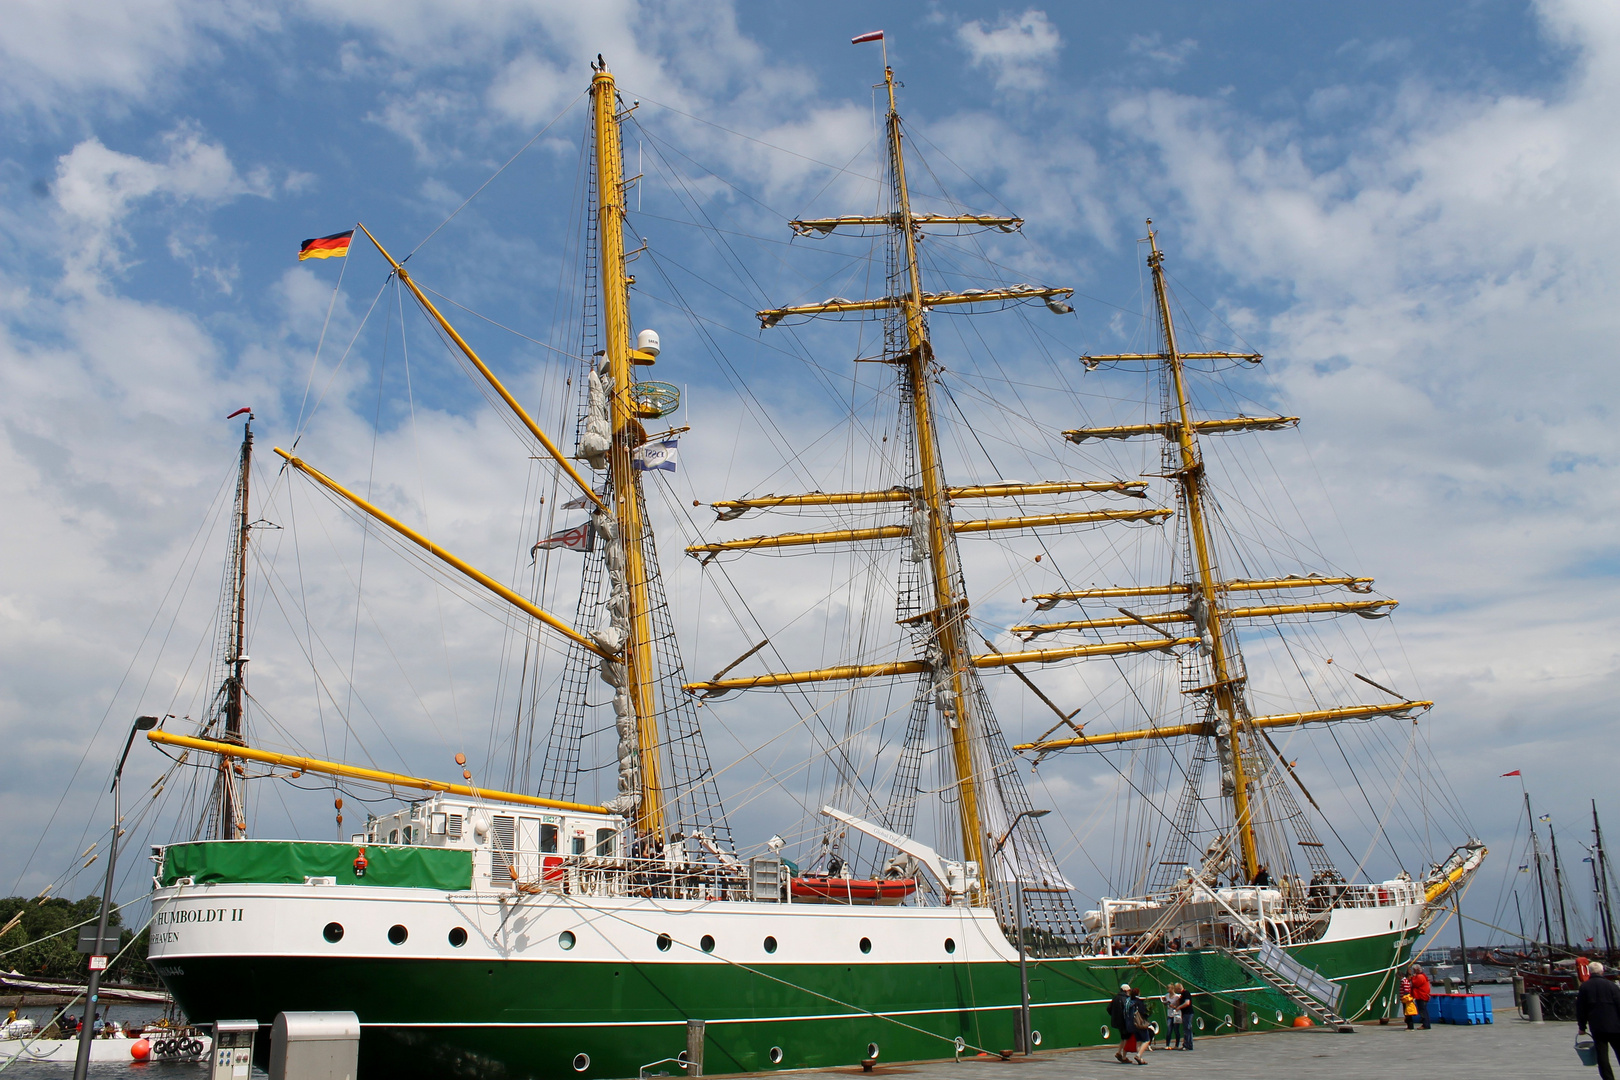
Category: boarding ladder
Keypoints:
(1307, 1003)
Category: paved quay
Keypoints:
(1509, 1048)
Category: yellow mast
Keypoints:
(1229, 719)
(941, 538)
(640, 671)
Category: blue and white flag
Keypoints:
(657, 455)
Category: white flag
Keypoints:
(584, 502)
(657, 455)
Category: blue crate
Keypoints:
(1461, 1009)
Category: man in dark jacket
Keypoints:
(1597, 1007)
(1420, 993)
(1118, 1018)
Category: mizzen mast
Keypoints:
(638, 669)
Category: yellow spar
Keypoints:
(518, 601)
(354, 772)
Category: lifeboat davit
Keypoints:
(842, 890)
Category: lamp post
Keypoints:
(81, 1064)
(1023, 953)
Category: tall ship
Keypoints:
(922, 910)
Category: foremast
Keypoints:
(1225, 659)
(1227, 718)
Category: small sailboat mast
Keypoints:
(231, 823)
(1600, 874)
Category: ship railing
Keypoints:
(605, 876)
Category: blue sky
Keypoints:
(1409, 208)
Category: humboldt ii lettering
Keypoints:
(181, 916)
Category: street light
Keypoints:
(81, 1064)
(1023, 953)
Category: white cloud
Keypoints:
(1172, 57)
(96, 188)
(59, 53)
(1018, 50)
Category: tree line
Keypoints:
(41, 946)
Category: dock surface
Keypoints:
(1511, 1049)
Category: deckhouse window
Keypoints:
(604, 843)
(548, 839)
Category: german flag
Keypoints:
(326, 247)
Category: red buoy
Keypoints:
(141, 1050)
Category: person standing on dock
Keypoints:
(1597, 1007)
(1121, 1020)
(1185, 1006)
(1420, 993)
(1172, 1015)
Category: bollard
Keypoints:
(694, 1047)
(1518, 990)
(1532, 1002)
(315, 1046)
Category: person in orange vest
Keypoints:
(1420, 995)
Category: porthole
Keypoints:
(1106, 1032)
(776, 1055)
(458, 936)
(1279, 1016)
(950, 945)
(770, 944)
(1035, 1038)
(961, 1043)
(682, 1058)
(664, 942)
(866, 944)
(1154, 1027)
(871, 1051)
(1392, 924)
(333, 932)
(707, 943)
(397, 934)
(566, 939)
(582, 1062)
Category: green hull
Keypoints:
(499, 1019)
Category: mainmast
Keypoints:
(948, 618)
(991, 807)
(228, 789)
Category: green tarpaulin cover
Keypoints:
(289, 862)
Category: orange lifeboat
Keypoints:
(842, 890)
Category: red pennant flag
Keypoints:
(579, 538)
(875, 35)
(1515, 772)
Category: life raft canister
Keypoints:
(360, 864)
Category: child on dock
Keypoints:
(1409, 1009)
